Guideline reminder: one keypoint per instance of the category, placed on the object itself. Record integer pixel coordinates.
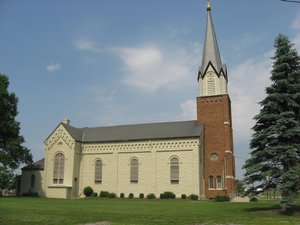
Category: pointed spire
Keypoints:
(211, 52)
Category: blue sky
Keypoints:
(108, 62)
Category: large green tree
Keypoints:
(12, 151)
(275, 144)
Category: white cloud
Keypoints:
(53, 67)
(296, 22)
(296, 41)
(188, 110)
(248, 81)
(152, 68)
(86, 44)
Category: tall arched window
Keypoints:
(219, 182)
(134, 171)
(58, 169)
(174, 170)
(32, 181)
(210, 182)
(98, 172)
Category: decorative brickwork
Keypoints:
(59, 135)
(214, 112)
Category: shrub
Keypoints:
(222, 198)
(122, 195)
(194, 197)
(94, 194)
(130, 195)
(167, 195)
(111, 195)
(88, 191)
(29, 194)
(253, 199)
(151, 196)
(104, 194)
(141, 195)
(183, 196)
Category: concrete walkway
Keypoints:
(99, 223)
(240, 199)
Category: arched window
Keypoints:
(134, 171)
(98, 172)
(32, 181)
(174, 170)
(210, 182)
(58, 169)
(219, 182)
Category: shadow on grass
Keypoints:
(276, 210)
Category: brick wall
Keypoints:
(214, 112)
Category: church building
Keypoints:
(185, 157)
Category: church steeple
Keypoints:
(211, 62)
(214, 113)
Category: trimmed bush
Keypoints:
(111, 195)
(167, 195)
(222, 198)
(194, 197)
(183, 196)
(130, 195)
(94, 194)
(151, 196)
(141, 195)
(104, 194)
(253, 199)
(122, 195)
(88, 191)
(28, 194)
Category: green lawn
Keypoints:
(39, 211)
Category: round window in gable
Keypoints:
(214, 157)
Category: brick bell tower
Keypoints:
(214, 112)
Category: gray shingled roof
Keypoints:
(38, 165)
(148, 131)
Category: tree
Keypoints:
(240, 187)
(12, 152)
(275, 159)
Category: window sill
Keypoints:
(59, 186)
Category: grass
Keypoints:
(42, 211)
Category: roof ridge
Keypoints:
(134, 132)
(137, 124)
